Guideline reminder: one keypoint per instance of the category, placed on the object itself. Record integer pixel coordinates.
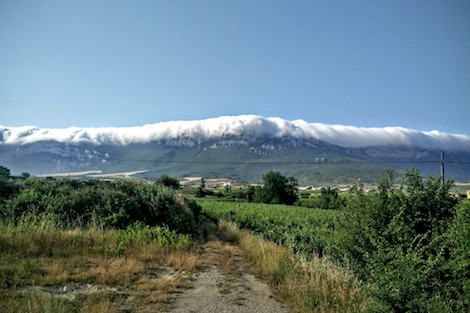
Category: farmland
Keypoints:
(303, 230)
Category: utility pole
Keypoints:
(442, 168)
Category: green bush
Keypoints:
(459, 247)
(406, 241)
(168, 181)
(110, 204)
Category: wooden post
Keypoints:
(442, 168)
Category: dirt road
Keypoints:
(223, 285)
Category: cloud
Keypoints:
(249, 127)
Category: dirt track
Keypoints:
(223, 285)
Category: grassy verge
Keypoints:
(314, 285)
(44, 268)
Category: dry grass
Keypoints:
(316, 285)
(49, 258)
(183, 260)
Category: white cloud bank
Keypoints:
(249, 127)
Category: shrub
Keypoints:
(398, 239)
(110, 204)
(168, 181)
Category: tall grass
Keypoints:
(314, 285)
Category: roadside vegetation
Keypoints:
(114, 246)
(308, 285)
(46, 268)
(93, 246)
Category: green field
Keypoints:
(303, 230)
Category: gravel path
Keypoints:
(224, 286)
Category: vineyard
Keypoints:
(303, 230)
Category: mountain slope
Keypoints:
(242, 147)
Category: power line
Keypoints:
(458, 162)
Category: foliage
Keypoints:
(201, 191)
(7, 189)
(309, 201)
(246, 192)
(330, 200)
(398, 239)
(163, 209)
(38, 251)
(277, 189)
(459, 246)
(168, 181)
(4, 172)
(314, 285)
(141, 234)
(110, 204)
(410, 242)
(303, 230)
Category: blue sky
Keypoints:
(124, 63)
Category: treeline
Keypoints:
(276, 189)
(114, 204)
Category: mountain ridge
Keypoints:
(254, 146)
(248, 127)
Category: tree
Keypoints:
(7, 187)
(277, 189)
(25, 175)
(201, 191)
(329, 199)
(4, 172)
(168, 181)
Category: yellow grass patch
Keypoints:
(38, 265)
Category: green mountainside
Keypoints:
(311, 162)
